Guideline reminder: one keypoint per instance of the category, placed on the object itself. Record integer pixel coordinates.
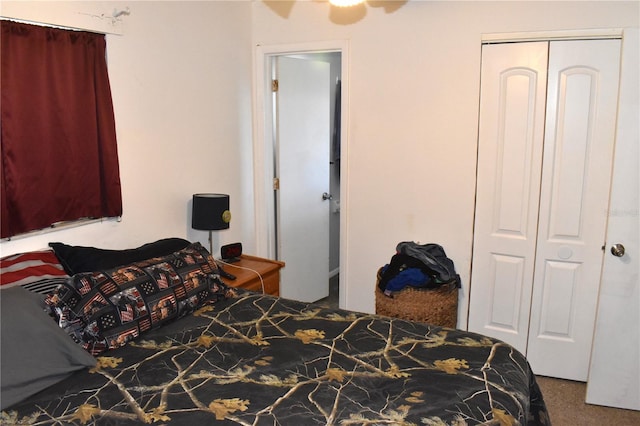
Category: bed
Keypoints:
(246, 358)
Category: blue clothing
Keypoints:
(408, 277)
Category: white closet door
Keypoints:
(545, 149)
(580, 131)
(512, 105)
(576, 177)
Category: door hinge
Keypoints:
(276, 184)
(274, 85)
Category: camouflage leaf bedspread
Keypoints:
(260, 360)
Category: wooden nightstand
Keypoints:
(247, 279)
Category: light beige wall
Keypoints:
(180, 75)
(181, 78)
(413, 113)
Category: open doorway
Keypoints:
(269, 224)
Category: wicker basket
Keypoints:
(434, 306)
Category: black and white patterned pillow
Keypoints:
(103, 310)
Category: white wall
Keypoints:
(181, 81)
(413, 114)
(180, 77)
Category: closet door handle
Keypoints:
(617, 250)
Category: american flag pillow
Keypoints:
(38, 271)
(105, 309)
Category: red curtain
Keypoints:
(58, 140)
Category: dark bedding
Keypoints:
(256, 359)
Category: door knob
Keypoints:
(617, 250)
(326, 196)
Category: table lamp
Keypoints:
(210, 212)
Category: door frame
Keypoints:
(264, 151)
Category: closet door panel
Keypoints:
(561, 285)
(576, 176)
(507, 276)
(509, 162)
(576, 105)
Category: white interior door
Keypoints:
(303, 141)
(614, 376)
(541, 199)
(512, 105)
(582, 103)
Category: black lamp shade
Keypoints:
(210, 212)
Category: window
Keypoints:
(58, 142)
